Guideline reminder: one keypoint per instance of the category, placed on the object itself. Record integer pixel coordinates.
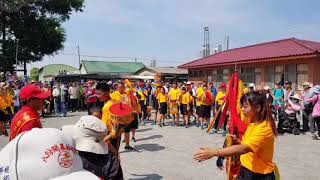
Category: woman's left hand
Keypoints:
(204, 154)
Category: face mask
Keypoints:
(294, 101)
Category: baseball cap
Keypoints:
(33, 91)
(40, 154)
(288, 82)
(88, 134)
(223, 85)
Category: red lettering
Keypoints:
(55, 148)
(62, 147)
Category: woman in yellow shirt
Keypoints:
(162, 100)
(257, 145)
(185, 106)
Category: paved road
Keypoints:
(166, 153)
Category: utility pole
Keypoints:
(227, 42)
(79, 56)
(17, 48)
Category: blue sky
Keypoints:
(171, 31)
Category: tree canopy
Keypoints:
(34, 74)
(37, 25)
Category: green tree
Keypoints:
(37, 24)
(34, 74)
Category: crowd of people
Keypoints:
(98, 134)
(184, 103)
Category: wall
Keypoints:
(313, 71)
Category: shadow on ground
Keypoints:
(55, 116)
(144, 130)
(150, 137)
(146, 177)
(146, 147)
(149, 147)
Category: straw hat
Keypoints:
(296, 96)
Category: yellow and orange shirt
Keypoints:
(260, 139)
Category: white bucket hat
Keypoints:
(251, 85)
(267, 88)
(42, 154)
(88, 134)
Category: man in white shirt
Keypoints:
(73, 93)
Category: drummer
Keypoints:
(120, 96)
(113, 138)
(174, 98)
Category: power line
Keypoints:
(125, 57)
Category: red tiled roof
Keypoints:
(275, 49)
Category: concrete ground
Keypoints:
(166, 153)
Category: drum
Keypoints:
(208, 97)
(133, 101)
(173, 106)
(121, 114)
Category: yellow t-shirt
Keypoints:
(260, 138)
(106, 115)
(10, 100)
(143, 97)
(185, 98)
(199, 98)
(162, 98)
(174, 94)
(118, 97)
(3, 103)
(199, 90)
(219, 97)
(191, 100)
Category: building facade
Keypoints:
(264, 64)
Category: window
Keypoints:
(290, 74)
(257, 79)
(302, 67)
(302, 74)
(190, 73)
(195, 74)
(248, 74)
(269, 76)
(279, 69)
(201, 74)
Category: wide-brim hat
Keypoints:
(296, 96)
(88, 134)
(306, 84)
